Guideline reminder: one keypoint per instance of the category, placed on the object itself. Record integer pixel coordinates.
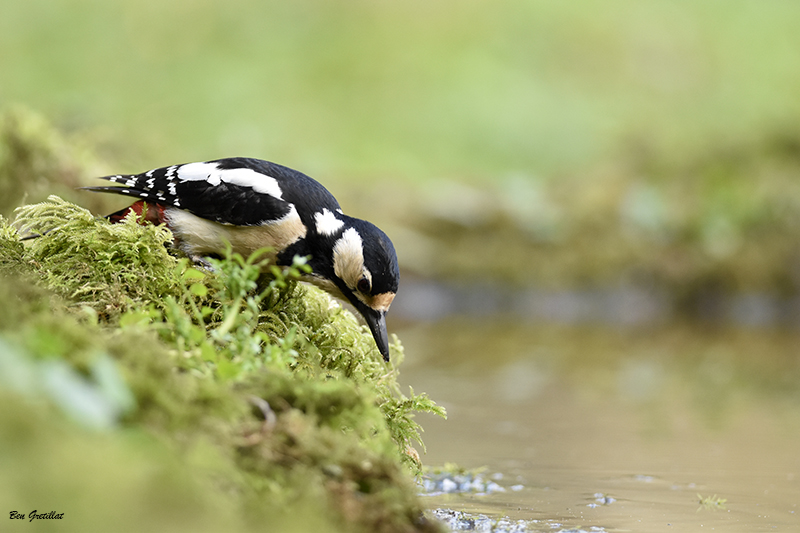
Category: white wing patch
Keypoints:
(199, 172)
(243, 177)
(348, 257)
(327, 223)
(246, 177)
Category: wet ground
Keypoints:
(670, 428)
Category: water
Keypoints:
(604, 429)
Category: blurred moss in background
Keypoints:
(577, 142)
(412, 89)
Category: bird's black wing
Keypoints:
(237, 191)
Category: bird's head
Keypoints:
(366, 272)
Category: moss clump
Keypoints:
(108, 267)
(264, 393)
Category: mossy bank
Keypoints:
(149, 395)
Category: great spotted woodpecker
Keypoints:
(252, 204)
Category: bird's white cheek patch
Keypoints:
(348, 257)
(327, 223)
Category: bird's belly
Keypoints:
(200, 237)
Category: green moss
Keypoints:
(266, 394)
(125, 481)
(105, 266)
(713, 503)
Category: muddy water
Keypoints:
(600, 429)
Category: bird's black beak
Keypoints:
(376, 320)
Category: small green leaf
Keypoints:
(227, 369)
(198, 289)
(193, 273)
(207, 351)
(137, 317)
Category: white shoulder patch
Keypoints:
(199, 172)
(243, 177)
(348, 257)
(246, 177)
(327, 223)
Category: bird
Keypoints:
(249, 204)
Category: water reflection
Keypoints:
(623, 305)
(651, 419)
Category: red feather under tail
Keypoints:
(153, 213)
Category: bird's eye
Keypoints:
(363, 286)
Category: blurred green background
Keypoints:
(380, 90)
(547, 147)
(545, 143)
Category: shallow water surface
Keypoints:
(600, 429)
